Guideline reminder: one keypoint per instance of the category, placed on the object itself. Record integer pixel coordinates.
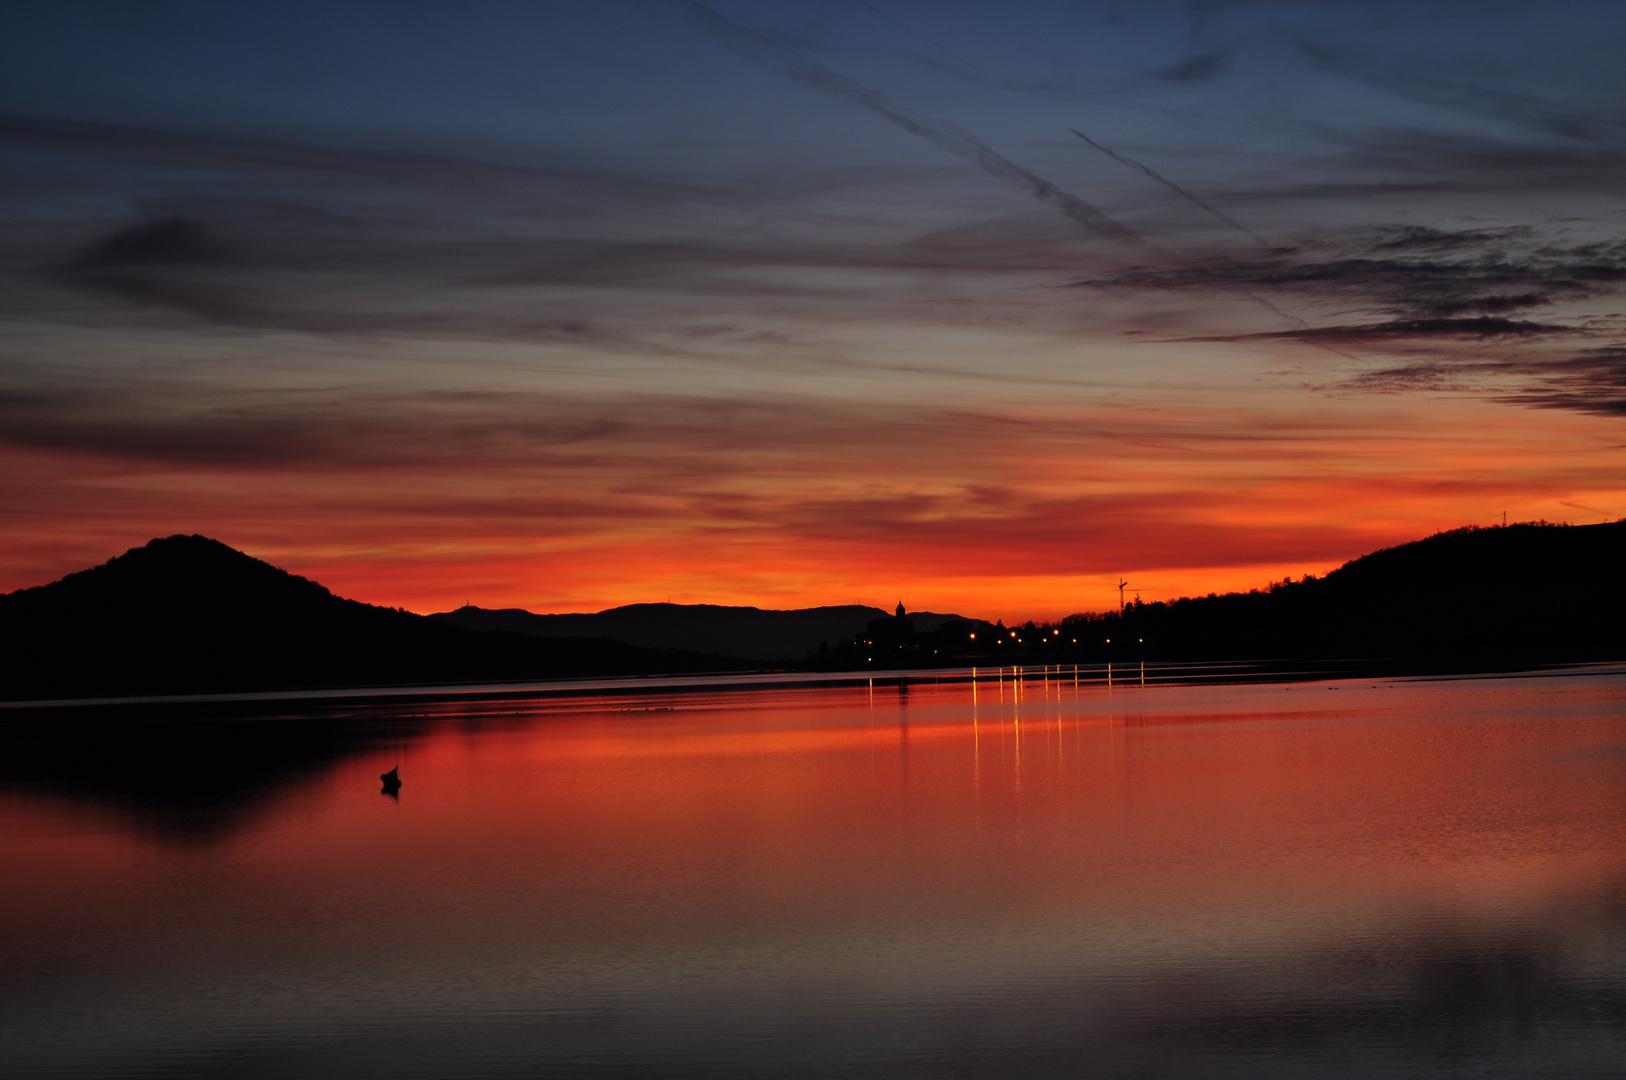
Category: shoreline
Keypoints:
(1127, 676)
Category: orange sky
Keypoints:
(975, 512)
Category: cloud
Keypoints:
(1424, 238)
(1200, 67)
(262, 234)
(295, 268)
(266, 235)
(1416, 275)
(278, 268)
(1480, 97)
(1410, 273)
(1479, 328)
(160, 243)
(212, 152)
(1447, 294)
(1592, 381)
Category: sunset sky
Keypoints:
(564, 306)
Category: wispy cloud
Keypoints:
(1448, 294)
(1199, 67)
(1486, 96)
(1480, 328)
(172, 148)
(1410, 273)
(1591, 381)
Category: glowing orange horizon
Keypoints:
(1027, 522)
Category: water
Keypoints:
(1007, 880)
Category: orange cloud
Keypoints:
(1013, 510)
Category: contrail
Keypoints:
(759, 49)
(1171, 185)
(1262, 301)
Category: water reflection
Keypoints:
(182, 780)
(1022, 876)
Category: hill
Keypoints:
(748, 632)
(1475, 598)
(187, 614)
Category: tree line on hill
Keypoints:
(188, 615)
(1468, 599)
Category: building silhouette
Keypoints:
(894, 632)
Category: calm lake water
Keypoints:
(1005, 880)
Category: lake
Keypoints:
(1029, 877)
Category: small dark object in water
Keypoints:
(392, 779)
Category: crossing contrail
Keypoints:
(764, 51)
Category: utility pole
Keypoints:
(1121, 584)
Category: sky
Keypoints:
(984, 308)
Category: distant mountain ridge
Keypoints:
(746, 632)
(187, 614)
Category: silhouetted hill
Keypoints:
(188, 614)
(749, 632)
(1466, 599)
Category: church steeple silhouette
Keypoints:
(890, 632)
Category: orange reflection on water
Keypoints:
(1045, 799)
(734, 863)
